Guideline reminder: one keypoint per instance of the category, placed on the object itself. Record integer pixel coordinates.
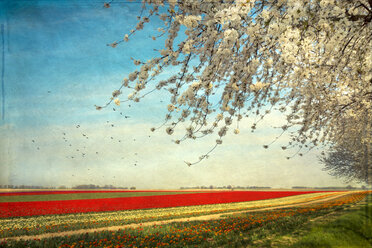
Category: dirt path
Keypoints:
(160, 222)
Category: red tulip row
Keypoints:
(15, 209)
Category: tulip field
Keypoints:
(44, 203)
(155, 218)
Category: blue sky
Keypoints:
(57, 67)
(61, 47)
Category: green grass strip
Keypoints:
(81, 196)
(353, 229)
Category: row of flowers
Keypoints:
(186, 234)
(16, 209)
(56, 223)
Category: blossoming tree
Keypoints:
(309, 59)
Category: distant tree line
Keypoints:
(225, 187)
(92, 186)
(230, 187)
(82, 186)
(329, 188)
(10, 186)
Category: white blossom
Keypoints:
(191, 21)
(311, 60)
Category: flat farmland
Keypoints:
(152, 218)
(46, 203)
